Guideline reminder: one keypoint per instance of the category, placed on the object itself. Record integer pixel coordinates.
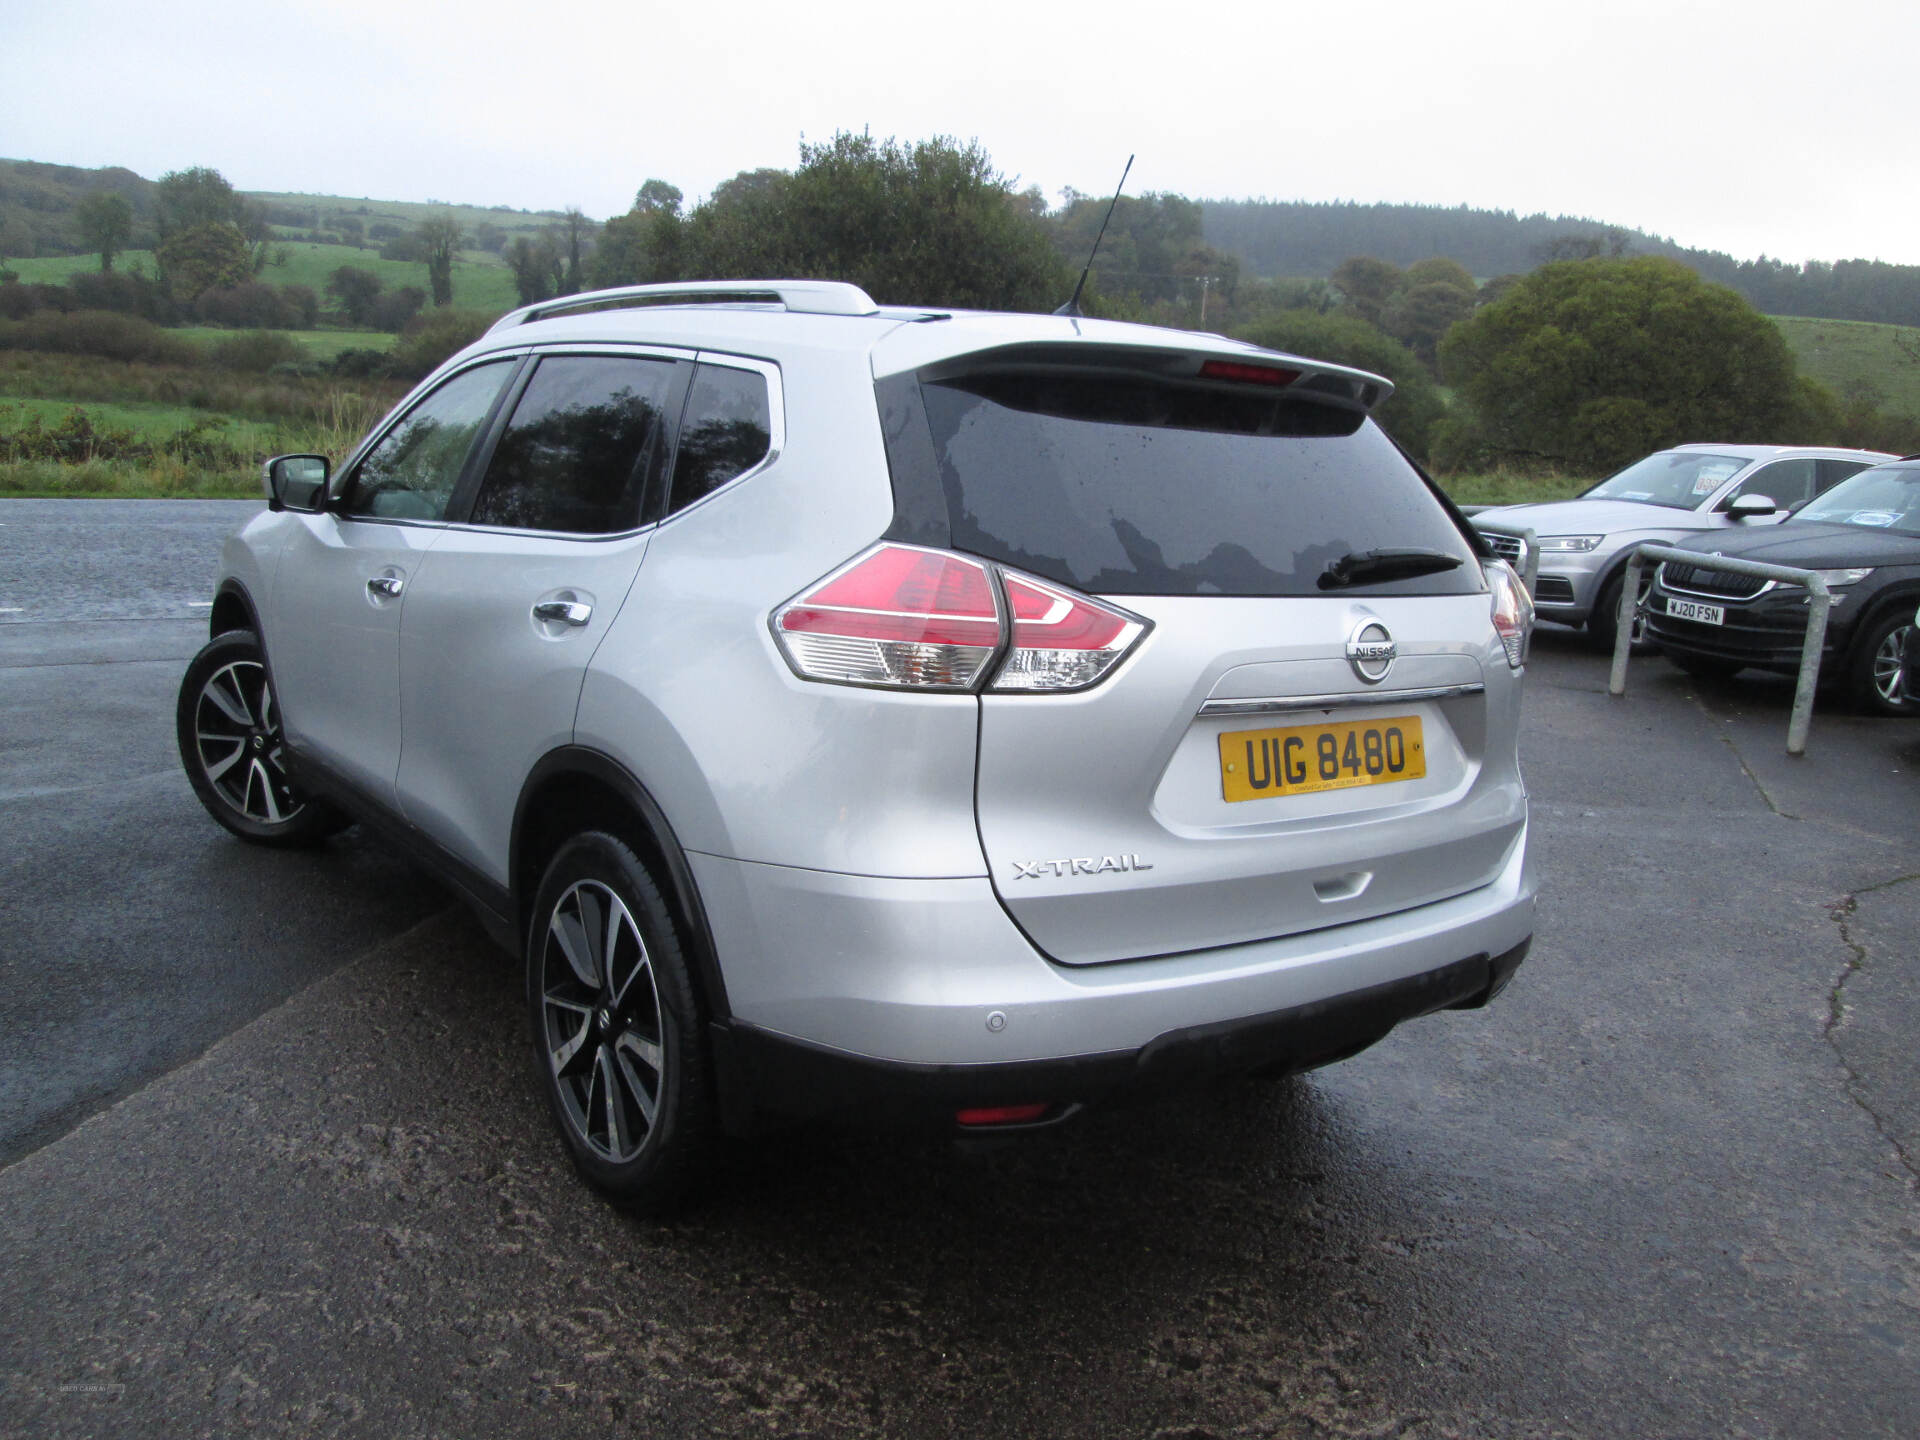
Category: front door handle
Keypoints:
(387, 587)
(563, 612)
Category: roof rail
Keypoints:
(808, 297)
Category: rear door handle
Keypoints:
(386, 586)
(562, 612)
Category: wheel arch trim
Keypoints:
(578, 762)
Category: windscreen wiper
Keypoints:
(1368, 566)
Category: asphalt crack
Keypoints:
(1842, 912)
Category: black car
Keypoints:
(1863, 536)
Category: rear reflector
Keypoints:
(1247, 374)
(903, 617)
(1002, 1114)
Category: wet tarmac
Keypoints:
(280, 1166)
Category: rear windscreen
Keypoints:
(1122, 485)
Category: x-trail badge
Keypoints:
(1371, 651)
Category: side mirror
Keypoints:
(297, 482)
(1751, 507)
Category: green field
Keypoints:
(480, 281)
(149, 422)
(319, 344)
(408, 213)
(1844, 353)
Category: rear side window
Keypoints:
(574, 457)
(727, 431)
(1126, 485)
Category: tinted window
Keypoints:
(574, 457)
(411, 473)
(1128, 486)
(1785, 482)
(726, 432)
(1680, 479)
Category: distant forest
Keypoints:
(1271, 239)
(1300, 238)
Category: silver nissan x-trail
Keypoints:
(888, 714)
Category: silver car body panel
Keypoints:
(690, 693)
(487, 688)
(1133, 768)
(335, 642)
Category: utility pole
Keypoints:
(1207, 282)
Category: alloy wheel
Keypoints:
(1888, 663)
(238, 741)
(601, 1029)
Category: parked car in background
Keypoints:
(886, 713)
(1863, 539)
(1668, 495)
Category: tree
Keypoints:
(189, 199)
(202, 258)
(1591, 363)
(927, 223)
(105, 222)
(439, 239)
(572, 243)
(657, 195)
(536, 268)
(1368, 284)
(357, 291)
(1415, 406)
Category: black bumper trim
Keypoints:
(763, 1072)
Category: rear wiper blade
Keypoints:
(1367, 566)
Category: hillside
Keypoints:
(1845, 355)
(1277, 238)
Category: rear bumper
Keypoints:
(764, 1072)
(931, 975)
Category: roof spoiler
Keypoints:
(805, 297)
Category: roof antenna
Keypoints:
(1072, 307)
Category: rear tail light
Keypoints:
(897, 616)
(1512, 610)
(901, 617)
(1061, 641)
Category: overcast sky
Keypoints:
(1752, 127)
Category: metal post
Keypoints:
(1531, 575)
(1623, 627)
(1819, 602)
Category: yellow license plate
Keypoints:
(1304, 759)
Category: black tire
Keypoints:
(1704, 667)
(619, 1043)
(1604, 621)
(228, 729)
(1875, 664)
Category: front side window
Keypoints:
(411, 473)
(726, 433)
(574, 457)
(1678, 479)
